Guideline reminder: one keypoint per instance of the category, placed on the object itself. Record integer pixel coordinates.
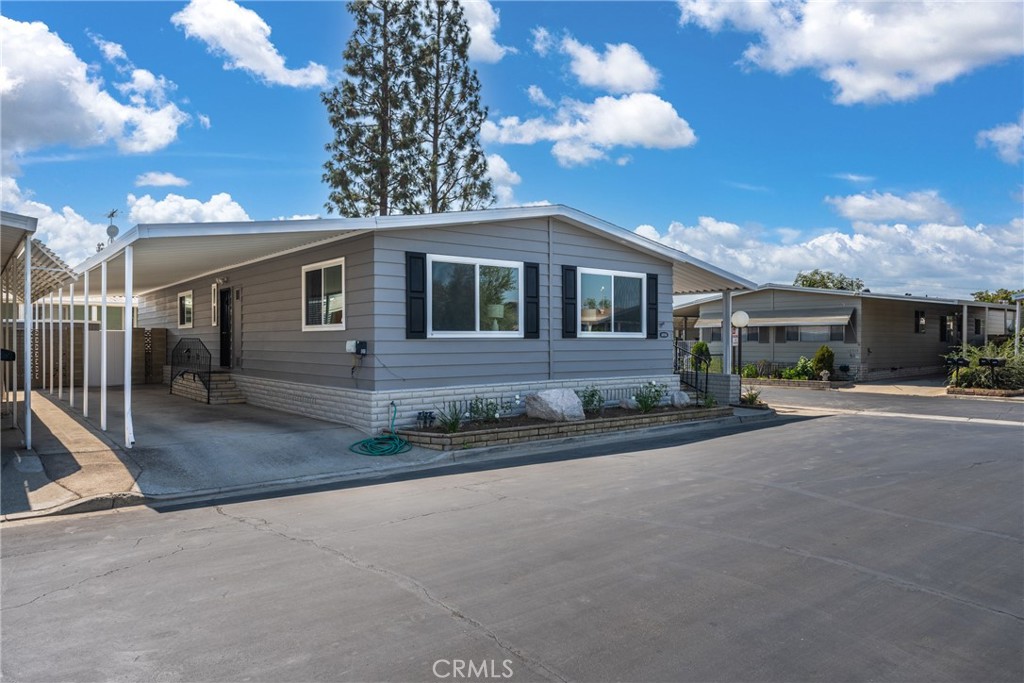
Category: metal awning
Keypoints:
(795, 318)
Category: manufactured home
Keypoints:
(873, 336)
(357, 320)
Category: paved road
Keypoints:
(835, 548)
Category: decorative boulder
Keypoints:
(679, 399)
(555, 405)
(629, 404)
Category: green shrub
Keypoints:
(751, 397)
(648, 396)
(802, 370)
(701, 350)
(749, 371)
(592, 399)
(824, 360)
(1011, 376)
(449, 417)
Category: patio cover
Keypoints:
(798, 318)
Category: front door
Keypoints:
(226, 326)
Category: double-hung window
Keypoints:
(185, 309)
(470, 297)
(323, 295)
(611, 303)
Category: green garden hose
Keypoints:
(385, 444)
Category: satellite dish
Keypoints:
(112, 231)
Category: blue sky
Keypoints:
(880, 140)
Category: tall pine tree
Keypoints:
(407, 117)
(450, 114)
(375, 163)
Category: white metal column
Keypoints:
(726, 333)
(60, 343)
(14, 345)
(27, 358)
(103, 345)
(71, 342)
(85, 346)
(1016, 329)
(984, 328)
(963, 341)
(49, 346)
(129, 430)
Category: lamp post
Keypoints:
(739, 320)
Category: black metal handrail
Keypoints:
(190, 355)
(688, 366)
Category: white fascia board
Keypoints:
(864, 295)
(16, 220)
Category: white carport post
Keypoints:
(60, 343)
(103, 345)
(963, 333)
(27, 356)
(85, 345)
(71, 342)
(1016, 329)
(14, 345)
(984, 328)
(49, 345)
(726, 332)
(129, 431)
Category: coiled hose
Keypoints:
(385, 444)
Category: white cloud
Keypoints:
(297, 217)
(921, 206)
(159, 179)
(204, 121)
(584, 132)
(177, 209)
(51, 98)
(854, 177)
(112, 52)
(242, 37)
(621, 69)
(936, 259)
(538, 97)
(483, 21)
(503, 178)
(1007, 139)
(542, 41)
(66, 232)
(870, 52)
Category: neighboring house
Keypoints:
(874, 335)
(342, 318)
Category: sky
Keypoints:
(880, 140)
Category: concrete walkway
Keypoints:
(187, 450)
(929, 386)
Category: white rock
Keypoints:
(555, 405)
(628, 404)
(679, 399)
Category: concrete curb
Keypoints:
(112, 501)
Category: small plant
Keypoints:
(648, 396)
(749, 371)
(823, 361)
(488, 410)
(709, 401)
(449, 417)
(751, 397)
(592, 399)
(802, 370)
(701, 351)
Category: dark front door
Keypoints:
(226, 325)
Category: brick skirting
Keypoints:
(508, 435)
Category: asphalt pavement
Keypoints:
(817, 548)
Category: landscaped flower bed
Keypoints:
(978, 391)
(522, 429)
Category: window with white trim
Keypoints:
(185, 309)
(612, 303)
(470, 297)
(323, 295)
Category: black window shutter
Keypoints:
(569, 306)
(652, 306)
(780, 335)
(762, 335)
(531, 301)
(415, 295)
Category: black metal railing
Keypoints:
(190, 355)
(691, 369)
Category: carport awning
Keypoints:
(797, 318)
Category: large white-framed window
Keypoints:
(185, 309)
(612, 303)
(472, 297)
(323, 295)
